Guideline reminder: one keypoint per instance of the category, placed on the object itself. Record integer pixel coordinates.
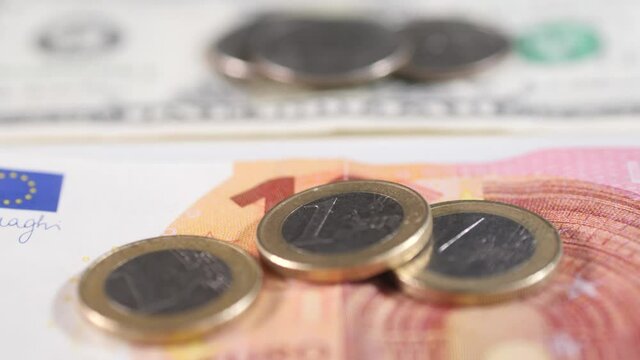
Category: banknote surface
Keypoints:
(588, 311)
(140, 69)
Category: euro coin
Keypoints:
(451, 48)
(482, 252)
(344, 231)
(168, 288)
(330, 53)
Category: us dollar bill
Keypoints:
(75, 69)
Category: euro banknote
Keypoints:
(589, 310)
(114, 69)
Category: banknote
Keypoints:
(78, 69)
(589, 310)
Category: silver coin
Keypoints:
(343, 223)
(450, 48)
(168, 281)
(329, 53)
(231, 54)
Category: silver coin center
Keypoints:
(445, 45)
(330, 47)
(168, 281)
(343, 223)
(478, 245)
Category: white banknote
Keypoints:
(139, 69)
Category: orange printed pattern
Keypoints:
(590, 310)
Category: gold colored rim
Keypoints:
(408, 240)
(99, 310)
(432, 286)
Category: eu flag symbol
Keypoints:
(28, 190)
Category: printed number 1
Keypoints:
(272, 191)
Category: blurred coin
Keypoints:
(169, 288)
(450, 48)
(231, 54)
(482, 251)
(345, 231)
(327, 53)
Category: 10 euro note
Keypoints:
(589, 310)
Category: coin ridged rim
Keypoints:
(96, 306)
(375, 70)
(418, 73)
(430, 285)
(404, 243)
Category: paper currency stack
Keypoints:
(210, 179)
